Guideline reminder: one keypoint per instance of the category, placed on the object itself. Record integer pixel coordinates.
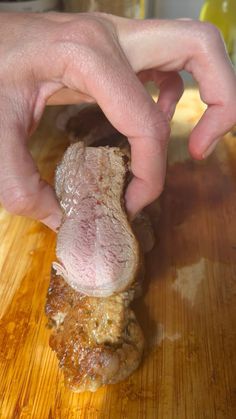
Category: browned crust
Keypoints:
(89, 355)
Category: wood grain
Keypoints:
(188, 311)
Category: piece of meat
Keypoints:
(97, 340)
(91, 126)
(88, 123)
(97, 251)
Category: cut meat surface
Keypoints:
(97, 251)
(97, 340)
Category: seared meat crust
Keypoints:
(97, 340)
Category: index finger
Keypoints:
(111, 81)
(199, 49)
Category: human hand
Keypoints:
(63, 58)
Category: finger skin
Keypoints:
(22, 191)
(95, 57)
(199, 49)
(133, 112)
(169, 47)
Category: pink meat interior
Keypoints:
(95, 244)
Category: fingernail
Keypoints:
(209, 150)
(53, 221)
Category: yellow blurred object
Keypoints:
(222, 13)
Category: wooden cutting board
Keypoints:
(188, 311)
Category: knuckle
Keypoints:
(210, 34)
(86, 45)
(161, 134)
(211, 30)
(91, 30)
(157, 126)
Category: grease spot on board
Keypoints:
(161, 335)
(188, 280)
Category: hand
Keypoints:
(60, 58)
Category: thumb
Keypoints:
(22, 191)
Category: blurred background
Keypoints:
(172, 9)
(141, 8)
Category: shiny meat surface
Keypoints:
(97, 340)
(97, 250)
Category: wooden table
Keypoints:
(188, 311)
